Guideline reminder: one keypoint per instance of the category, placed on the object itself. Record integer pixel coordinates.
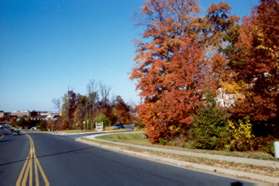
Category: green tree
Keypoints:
(210, 129)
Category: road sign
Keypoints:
(100, 127)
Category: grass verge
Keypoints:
(75, 131)
(140, 139)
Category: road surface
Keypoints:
(61, 161)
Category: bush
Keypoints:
(101, 117)
(265, 144)
(210, 129)
(163, 141)
(242, 135)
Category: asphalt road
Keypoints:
(65, 162)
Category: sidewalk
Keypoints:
(247, 168)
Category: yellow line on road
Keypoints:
(27, 169)
(42, 172)
(31, 170)
(26, 173)
(37, 183)
(19, 179)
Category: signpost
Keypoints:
(99, 127)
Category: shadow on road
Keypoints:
(47, 155)
(65, 152)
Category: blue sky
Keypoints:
(49, 46)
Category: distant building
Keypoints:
(224, 99)
(227, 100)
(2, 114)
(35, 115)
(48, 115)
(32, 115)
(52, 116)
(21, 114)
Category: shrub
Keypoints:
(265, 144)
(242, 135)
(181, 141)
(210, 129)
(163, 141)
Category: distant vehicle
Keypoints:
(34, 128)
(11, 130)
(16, 131)
(129, 126)
(6, 129)
(118, 126)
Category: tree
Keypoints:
(210, 129)
(80, 111)
(68, 109)
(168, 61)
(104, 93)
(257, 64)
(218, 35)
(121, 111)
(57, 104)
(104, 104)
(93, 98)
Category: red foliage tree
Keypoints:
(121, 111)
(168, 62)
(258, 63)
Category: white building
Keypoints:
(224, 99)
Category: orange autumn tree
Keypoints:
(218, 32)
(167, 71)
(121, 111)
(258, 64)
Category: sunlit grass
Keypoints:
(135, 138)
(140, 139)
(76, 131)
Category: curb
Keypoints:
(189, 165)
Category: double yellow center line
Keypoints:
(31, 165)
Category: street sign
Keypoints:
(100, 127)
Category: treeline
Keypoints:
(83, 111)
(209, 81)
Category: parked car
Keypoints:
(34, 128)
(16, 131)
(9, 130)
(118, 126)
(130, 127)
(5, 130)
